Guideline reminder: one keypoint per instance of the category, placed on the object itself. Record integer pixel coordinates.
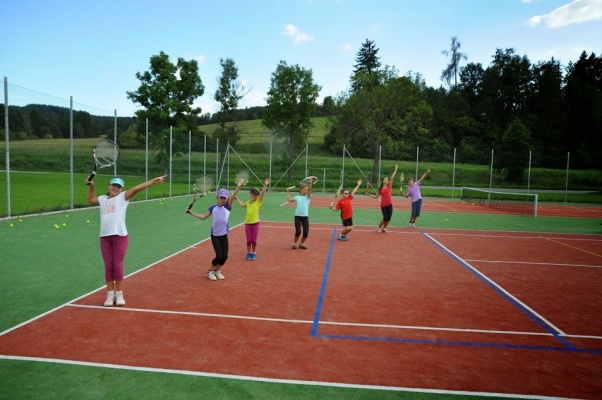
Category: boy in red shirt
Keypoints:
(346, 210)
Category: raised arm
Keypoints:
(424, 175)
(92, 199)
(240, 202)
(133, 191)
(264, 188)
(233, 196)
(359, 182)
(392, 179)
(288, 194)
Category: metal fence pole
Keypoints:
(71, 196)
(6, 140)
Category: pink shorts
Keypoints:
(113, 249)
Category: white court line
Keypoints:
(536, 263)
(309, 322)
(274, 380)
(500, 288)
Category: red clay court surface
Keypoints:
(428, 309)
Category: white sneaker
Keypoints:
(378, 230)
(219, 275)
(413, 225)
(110, 299)
(211, 275)
(385, 230)
(409, 225)
(119, 300)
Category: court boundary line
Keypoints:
(281, 381)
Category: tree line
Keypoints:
(512, 105)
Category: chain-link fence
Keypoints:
(47, 155)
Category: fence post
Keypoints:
(7, 142)
(566, 184)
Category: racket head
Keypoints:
(242, 175)
(106, 153)
(338, 192)
(309, 180)
(203, 185)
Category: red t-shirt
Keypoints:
(385, 194)
(345, 206)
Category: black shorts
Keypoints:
(348, 222)
(387, 212)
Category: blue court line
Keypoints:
(568, 347)
(512, 301)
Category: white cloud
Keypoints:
(346, 47)
(298, 36)
(575, 12)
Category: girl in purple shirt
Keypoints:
(219, 229)
(414, 192)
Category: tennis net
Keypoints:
(515, 203)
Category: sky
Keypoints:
(91, 50)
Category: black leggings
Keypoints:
(301, 222)
(221, 246)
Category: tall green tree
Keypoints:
(291, 102)
(583, 96)
(230, 91)
(367, 65)
(166, 93)
(389, 115)
(455, 57)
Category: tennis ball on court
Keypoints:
(446, 219)
(64, 224)
(11, 225)
(20, 220)
(88, 221)
(66, 215)
(56, 226)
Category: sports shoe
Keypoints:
(378, 230)
(211, 275)
(253, 257)
(110, 299)
(385, 230)
(249, 256)
(413, 225)
(294, 246)
(302, 246)
(119, 300)
(409, 225)
(219, 275)
(343, 238)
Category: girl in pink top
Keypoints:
(386, 203)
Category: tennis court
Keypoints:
(428, 309)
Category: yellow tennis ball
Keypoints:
(20, 220)
(11, 225)
(446, 219)
(56, 226)
(88, 221)
(64, 224)
(66, 215)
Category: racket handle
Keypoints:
(91, 177)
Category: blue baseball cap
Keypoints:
(117, 181)
(222, 193)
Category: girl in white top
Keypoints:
(113, 232)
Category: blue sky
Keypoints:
(91, 50)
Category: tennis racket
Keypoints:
(369, 180)
(401, 178)
(106, 153)
(310, 180)
(242, 175)
(202, 186)
(338, 192)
